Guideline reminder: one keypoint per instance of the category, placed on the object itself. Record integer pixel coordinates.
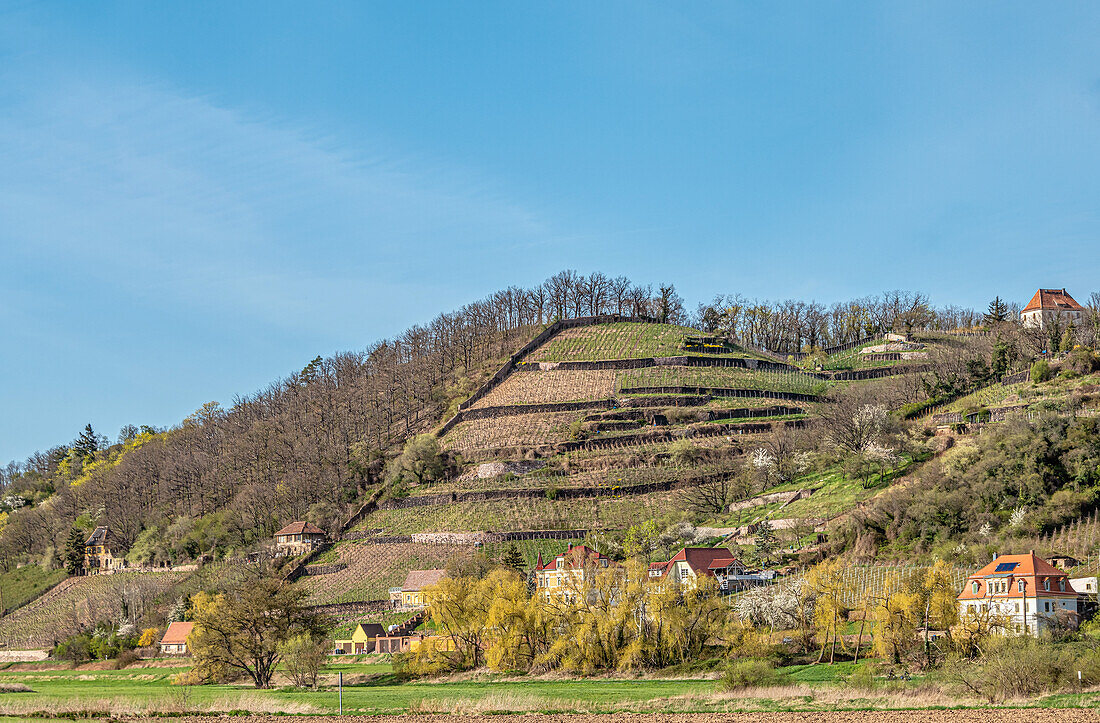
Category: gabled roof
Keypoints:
(417, 580)
(704, 560)
(371, 630)
(571, 556)
(1052, 300)
(177, 633)
(301, 528)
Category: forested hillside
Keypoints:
(309, 446)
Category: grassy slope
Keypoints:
(25, 583)
(618, 341)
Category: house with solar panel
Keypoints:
(1020, 595)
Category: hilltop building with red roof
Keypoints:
(1028, 593)
(1049, 307)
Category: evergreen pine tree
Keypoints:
(1066, 342)
(74, 551)
(86, 444)
(997, 311)
(764, 544)
(513, 558)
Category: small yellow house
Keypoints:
(412, 592)
(361, 641)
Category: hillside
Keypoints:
(592, 431)
(547, 427)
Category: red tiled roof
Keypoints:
(301, 528)
(1030, 568)
(417, 580)
(1052, 300)
(177, 633)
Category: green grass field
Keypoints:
(371, 688)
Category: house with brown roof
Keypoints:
(567, 572)
(174, 641)
(1023, 594)
(692, 563)
(411, 594)
(1051, 307)
(298, 538)
(102, 551)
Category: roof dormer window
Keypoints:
(1046, 584)
(974, 586)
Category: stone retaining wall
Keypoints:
(725, 393)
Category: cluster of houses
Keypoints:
(1025, 594)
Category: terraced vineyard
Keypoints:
(523, 514)
(521, 430)
(719, 377)
(624, 340)
(530, 549)
(373, 569)
(80, 601)
(558, 385)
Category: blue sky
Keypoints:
(197, 198)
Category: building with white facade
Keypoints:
(1026, 593)
(1051, 307)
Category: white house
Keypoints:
(1051, 306)
(1026, 592)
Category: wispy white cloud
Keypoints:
(170, 196)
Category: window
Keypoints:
(1046, 584)
(974, 587)
(1021, 585)
(1062, 585)
(1017, 607)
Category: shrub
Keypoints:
(126, 658)
(14, 688)
(1023, 668)
(752, 673)
(862, 678)
(303, 658)
(1040, 371)
(1083, 361)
